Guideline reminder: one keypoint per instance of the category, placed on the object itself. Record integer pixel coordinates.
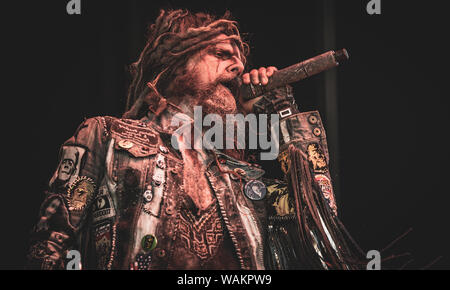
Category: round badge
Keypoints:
(148, 242)
(80, 193)
(255, 190)
(125, 144)
(148, 195)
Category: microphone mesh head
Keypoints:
(341, 55)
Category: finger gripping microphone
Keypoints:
(296, 72)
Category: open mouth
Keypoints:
(231, 85)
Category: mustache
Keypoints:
(190, 85)
(209, 90)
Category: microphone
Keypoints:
(295, 73)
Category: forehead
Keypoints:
(227, 44)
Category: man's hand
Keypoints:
(275, 101)
(256, 77)
(260, 76)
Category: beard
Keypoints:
(217, 99)
(214, 98)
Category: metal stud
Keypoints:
(317, 132)
(161, 253)
(169, 210)
(312, 119)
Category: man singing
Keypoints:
(136, 201)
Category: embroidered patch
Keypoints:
(130, 129)
(48, 253)
(327, 190)
(39, 250)
(103, 244)
(255, 190)
(103, 207)
(69, 166)
(201, 232)
(80, 193)
(317, 158)
(284, 160)
(49, 208)
(279, 199)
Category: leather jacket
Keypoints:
(119, 180)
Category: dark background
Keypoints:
(390, 122)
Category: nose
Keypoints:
(237, 67)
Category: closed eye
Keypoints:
(223, 54)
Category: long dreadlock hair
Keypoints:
(171, 40)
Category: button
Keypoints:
(161, 253)
(148, 243)
(148, 195)
(157, 182)
(161, 164)
(317, 132)
(174, 171)
(125, 144)
(255, 190)
(312, 119)
(163, 149)
(169, 210)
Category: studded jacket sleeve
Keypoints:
(303, 130)
(69, 193)
(304, 231)
(306, 132)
